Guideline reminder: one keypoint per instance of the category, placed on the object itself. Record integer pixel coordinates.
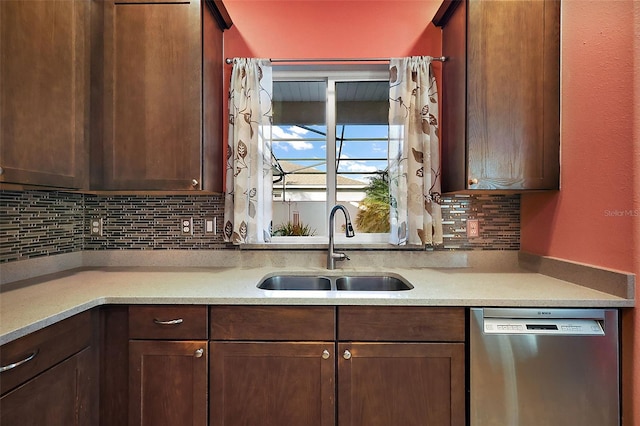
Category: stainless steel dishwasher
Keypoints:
(544, 367)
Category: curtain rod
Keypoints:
(440, 58)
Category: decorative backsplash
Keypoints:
(153, 222)
(40, 223)
(498, 219)
(44, 223)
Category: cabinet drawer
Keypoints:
(272, 323)
(168, 322)
(401, 323)
(43, 349)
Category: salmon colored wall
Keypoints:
(330, 29)
(595, 218)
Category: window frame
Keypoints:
(332, 74)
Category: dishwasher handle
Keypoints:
(544, 326)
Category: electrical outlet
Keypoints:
(186, 225)
(96, 227)
(473, 228)
(210, 225)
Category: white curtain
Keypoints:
(414, 153)
(249, 179)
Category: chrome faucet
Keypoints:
(332, 256)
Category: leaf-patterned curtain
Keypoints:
(249, 180)
(414, 153)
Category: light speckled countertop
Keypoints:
(31, 304)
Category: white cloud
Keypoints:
(292, 132)
(357, 166)
(378, 147)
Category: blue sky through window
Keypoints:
(363, 151)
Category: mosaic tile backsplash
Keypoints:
(40, 223)
(44, 223)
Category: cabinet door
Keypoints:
(513, 116)
(453, 100)
(409, 384)
(272, 384)
(167, 383)
(44, 92)
(62, 395)
(153, 95)
(500, 95)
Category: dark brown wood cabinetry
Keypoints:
(168, 384)
(394, 365)
(401, 366)
(500, 95)
(401, 384)
(272, 383)
(159, 76)
(44, 92)
(237, 365)
(168, 379)
(272, 366)
(51, 376)
(112, 95)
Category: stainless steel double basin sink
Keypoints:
(340, 283)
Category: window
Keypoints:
(330, 146)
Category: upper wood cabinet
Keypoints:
(156, 75)
(500, 95)
(44, 92)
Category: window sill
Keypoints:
(340, 245)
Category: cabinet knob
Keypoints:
(195, 183)
(346, 354)
(1, 170)
(199, 353)
(473, 181)
(325, 354)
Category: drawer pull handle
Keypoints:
(170, 322)
(199, 353)
(19, 363)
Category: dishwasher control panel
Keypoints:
(557, 326)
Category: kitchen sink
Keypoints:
(338, 283)
(295, 282)
(372, 283)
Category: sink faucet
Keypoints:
(332, 257)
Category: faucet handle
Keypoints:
(340, 256)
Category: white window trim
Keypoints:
(332, 75)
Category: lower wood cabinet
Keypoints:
(168, 383)
(239, 365)
(61, 395)
(350, 366)
(272, 383)
(50, 377)
(401, 366)
(168, 368)
(382, 384)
